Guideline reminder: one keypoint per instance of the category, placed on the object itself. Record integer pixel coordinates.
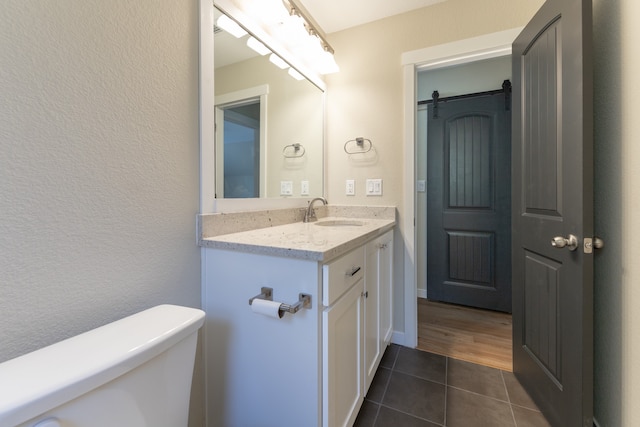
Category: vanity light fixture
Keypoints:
(230, 26)
(292, 30)
(257, 46)
(319, 54)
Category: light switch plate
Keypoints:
(304, 188)
(286, 188)
(374, 187)
(422, 186)
(350, 189)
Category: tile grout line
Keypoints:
(393, 365)
(504, 383)
(412, 415)
(482, 395)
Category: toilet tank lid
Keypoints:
(44, 379)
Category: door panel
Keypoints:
(541, 292)
(553, 196)
(468, 203)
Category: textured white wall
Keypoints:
(98, 164)
(366, 97)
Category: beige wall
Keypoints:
(366, 97)
(98, 165)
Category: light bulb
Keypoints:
(230, 26)
(254, 44)
(327, 63)
(295, 74)
(277, 61)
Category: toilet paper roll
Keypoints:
(267, 308)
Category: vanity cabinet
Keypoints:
(357, 328)
(311, 368)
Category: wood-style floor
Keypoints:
(469, 334)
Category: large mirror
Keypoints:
(269, 124)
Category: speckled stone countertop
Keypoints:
(300, 240)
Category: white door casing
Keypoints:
(448, 54)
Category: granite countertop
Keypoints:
(300, 240)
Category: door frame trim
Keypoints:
(459, 52)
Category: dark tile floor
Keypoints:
(413, 388)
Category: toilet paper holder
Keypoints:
(304, 300)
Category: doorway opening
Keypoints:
(240, 143)
(240, 149)
(463, 212)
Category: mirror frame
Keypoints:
(208, 202)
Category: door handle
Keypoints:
(570, 242)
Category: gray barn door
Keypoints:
(469, 202)
(553, 199)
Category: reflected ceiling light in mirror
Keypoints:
(277, 61)
(230, 26)
(295, 74)
(257, 46)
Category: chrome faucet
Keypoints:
(310, 214)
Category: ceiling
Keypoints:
(336, 15)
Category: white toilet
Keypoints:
(134, 372)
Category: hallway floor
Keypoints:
(414, 388)
(466, 333)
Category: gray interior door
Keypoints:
(469, 202)
(553, 197)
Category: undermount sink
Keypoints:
(340, 223)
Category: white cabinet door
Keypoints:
(385, 287)
(372, 301)
(343, 385)
(378, 303)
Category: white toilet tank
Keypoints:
(134, 372)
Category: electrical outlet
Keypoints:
(304, 188)
(422, 186)
(286, 188)
(350, 188)
(374, 187)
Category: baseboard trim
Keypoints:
(421, 293)
(595, 423)
(398, 338)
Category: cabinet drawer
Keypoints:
(339, 275)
